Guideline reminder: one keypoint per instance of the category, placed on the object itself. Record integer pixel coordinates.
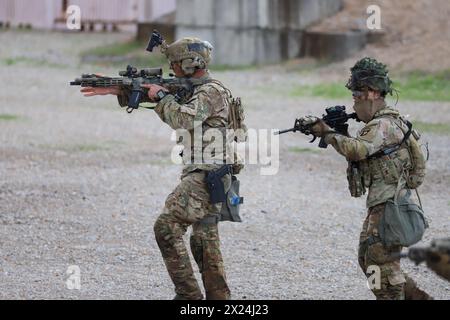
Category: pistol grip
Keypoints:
(135, 99)
(322, 143)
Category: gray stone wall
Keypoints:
(251, 31)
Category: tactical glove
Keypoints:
(318, 127)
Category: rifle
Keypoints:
(133, 79)
(335, 117)
(436, 256)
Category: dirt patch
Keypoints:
(417, 32)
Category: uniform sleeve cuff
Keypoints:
(159, 108)
(167, 98)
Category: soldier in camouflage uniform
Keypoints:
(189, 204)
(206, 107)
(384, 127)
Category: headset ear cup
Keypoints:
(190, 65)
(198, 63)
(201, 63)
(186, 66)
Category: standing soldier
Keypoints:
(385, 158)
(208, 106)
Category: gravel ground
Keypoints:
(82, 183)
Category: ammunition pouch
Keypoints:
(417, 174)
(236, 119)
(355, 180)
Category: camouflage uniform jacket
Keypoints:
(381, 174)
(207, 108)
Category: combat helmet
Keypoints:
(192, 53)
(371, 74)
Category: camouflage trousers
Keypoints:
(374, 257)
(187, 205)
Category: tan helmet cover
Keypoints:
(193, 53)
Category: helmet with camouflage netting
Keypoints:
(371, 74)
(192, 53)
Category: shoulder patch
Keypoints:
(370, 126)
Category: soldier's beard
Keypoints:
(366, 109)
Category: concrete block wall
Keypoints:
(251, 31)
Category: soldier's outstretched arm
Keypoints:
(99, 91)
(368, 142)
(194, 112)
